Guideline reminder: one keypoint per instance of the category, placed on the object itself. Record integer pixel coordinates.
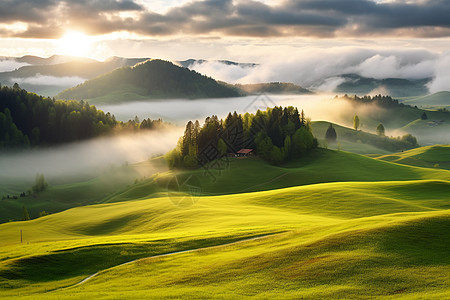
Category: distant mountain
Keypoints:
(396, 87)
(49, 76)
(52, 60)
(272, 88)
(437, 99)
(152, 79)
(190, 62)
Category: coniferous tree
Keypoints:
(380, 130)
(25, 214)
(331, 135)
(356, 122)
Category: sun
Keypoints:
(74, 43)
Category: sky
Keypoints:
(398, 38)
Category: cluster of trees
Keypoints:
(153, 78)
(380, 100)
(380, 140)
(27, 119)
(272, 88)
(277, 135)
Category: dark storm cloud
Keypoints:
(236, 18)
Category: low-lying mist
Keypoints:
(7, 65)
(180, 111)
(84, 160)
(38, 79)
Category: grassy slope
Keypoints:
(337, 234)
(320, 128)
(439, 99)
(237, 176)
(353, 239)
(431, 130)
(60, 197)
(427, 157)
(253, 174)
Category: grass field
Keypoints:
(428, 131)
(437, 156)
(333, 225)
(236, 176)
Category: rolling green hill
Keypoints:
(60, 67)
(235, 176)
(397, 87)
(329, 240)
(151, 79)
(63, 196)
(398, 118)
(360, 142)
(330, 225)
(437, 156)
(439, 99)
(435, 130)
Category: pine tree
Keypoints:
(356, 122)
(25, 214)
(331, 135)
(380, 130)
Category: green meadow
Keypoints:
(332, 225)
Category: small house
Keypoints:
(245, 152)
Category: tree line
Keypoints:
(27, 119)
(277, 135)
(380, 100)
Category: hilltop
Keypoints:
(396, 87)
(151, 79)
(439, 99)
(437, 156)
(49, 76)
(359, 141)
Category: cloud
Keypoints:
(222, 71)
(441, 80)
(321, 68)
(312, 18)
(39, 79)
(7, 65)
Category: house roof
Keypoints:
(245, 151)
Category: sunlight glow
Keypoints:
(74, 43)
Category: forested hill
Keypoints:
(27, 119)
(273, 88)
(153, 79)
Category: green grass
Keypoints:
(358, 238)
(339, 225)
(430, 131)
(237, 176)
(59, 197)
(437, 156)
(360, 142)
(439, 99)
(320, 166)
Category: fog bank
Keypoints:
(83, 160)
